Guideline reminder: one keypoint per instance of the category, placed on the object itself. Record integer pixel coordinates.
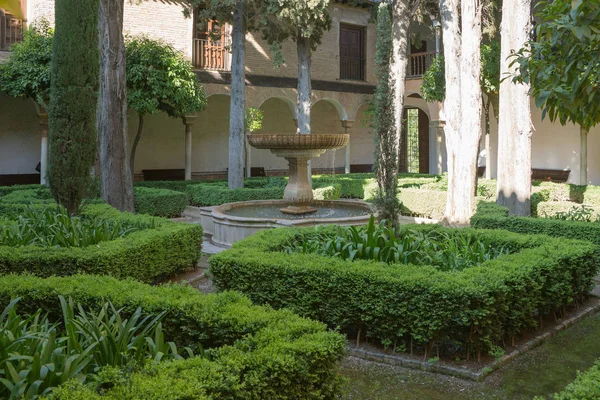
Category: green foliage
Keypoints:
(434, 81)
(41, 195)
(37, 356)
(567, 211)
(473, 308)
(4, 190)
(74, 74)
(159, 202)
(253, 119)
(493, 216)
(386, 141)
(563, 64)
(256, 352)
(26, 73)
(381, 242)
(162, 249)
(53, 227)
(160, 79)
(585, 387)
(281, 20)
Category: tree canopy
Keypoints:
(26, 73)
(563, 63)
(160, 79)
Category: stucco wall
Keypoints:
(19, 136)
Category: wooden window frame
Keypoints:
(363, 52)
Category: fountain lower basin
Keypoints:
(232, 222)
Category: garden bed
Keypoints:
(255, 352)
(460, 312)
(155, 249)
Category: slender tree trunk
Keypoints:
(236, 116)
(462, 106)
(304, 85)
(135, 144)
(399, 62)
(486, 107)
(515, 128)
(116, 186)
(583, 179)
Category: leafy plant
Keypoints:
(53, 227)
(37, 356)
(382, 242)
(575, 213)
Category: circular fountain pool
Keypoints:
(231, 222)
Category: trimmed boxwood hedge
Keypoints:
(257, 353)
(147, 255)
(160, 202)
(550, 209)
(493, 216)
(475, 308)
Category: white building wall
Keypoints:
(19, 136)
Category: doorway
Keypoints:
(414, 149)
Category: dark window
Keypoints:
(352, 53)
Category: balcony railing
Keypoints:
(211, 55)
(418, 63)
(11, 30)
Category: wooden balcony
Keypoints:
(11, 30)
(211, 55)
(418, 63)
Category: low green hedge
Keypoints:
(551, 209)
(216, 194)
(423, 203)
(474, 308)
(585, 387)
(257, 353)
(40, 194)
(160, 202)
(492, 216)
(4, 190)
(147, 255)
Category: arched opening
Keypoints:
(211, 140)
(415, 143)
(326, 117)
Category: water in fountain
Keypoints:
(272, 211)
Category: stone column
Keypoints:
(43, 122)
(248, 157)
(347, 126)
(436, 135)
(188, 120)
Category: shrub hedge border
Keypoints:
(160, 202)
(146, 255)
(585, 387)
(258, 353)
(476, 307)
(493, 216)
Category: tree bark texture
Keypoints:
(399, 62)
(236, 116)
(462, 107)
(136, 141)
(116, 185)
(583, 178)
(304, 85)
(515, 128)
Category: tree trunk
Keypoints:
(304, 85)
(116, 186)
(462, 106)
(236, 116)
(135, 145)
(583, 179)
(515, 128)
(399, 62)
(486, 107)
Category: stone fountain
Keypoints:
(298, 150)
(228, 223)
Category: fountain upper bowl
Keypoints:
(298, 141)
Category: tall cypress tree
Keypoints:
(73, 99)
(386, 143)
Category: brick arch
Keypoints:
(290, 103)
(341, 110)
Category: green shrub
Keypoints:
(382, 242)
(568, 211)
(585, 387)
(331, 192)
(37, 356)
(216, 194)
(6, 190)
(353, 186)
(147, 255)
(423, 203)
(473, 309)
(160, 202)
(53, 227)
(255, 352)
(493, 216)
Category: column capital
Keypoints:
(347, 124)
(189, 119)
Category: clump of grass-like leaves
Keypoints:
(37, 355)
(53, 227)
(381, 242)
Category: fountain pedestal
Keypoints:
(298, 150)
